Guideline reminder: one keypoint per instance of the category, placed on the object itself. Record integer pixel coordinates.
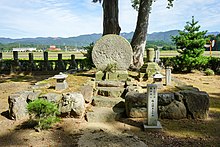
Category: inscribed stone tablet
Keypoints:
(112, 50)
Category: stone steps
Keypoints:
(101, 101)
(114, 92)
(104, 114)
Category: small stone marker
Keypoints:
(157, 56)
(112, 49)
(152, 117)
(61, 81)
(168, 76)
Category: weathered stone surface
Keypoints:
(101, 101)
(187, 87)
(72, 104)
(148, 70)
(18, 106)
(175, 110)
(165, 98)
(136, 104)
(197, 103)
(41, 86)
(99, 76)
(111, 84)
(134, 88)
(122, 75)
(110, 91)
(87, 92)
(178, 96)
(52, 97)
(101, 114)
(111, 76)
(112, 49)
(33, 95)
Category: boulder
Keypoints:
(87, 92)
(18, 105)
(72, 104)
(136, 104)
(52, 97)
(165, 98)
(197, 103)
(33, 95)
(175, 110)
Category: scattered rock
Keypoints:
(72, 104)
(197, 103)
(18, 105)
(52, 97)
(175, 110)
(33, 95)
(136, 104)
(87, 92)
(165, 98)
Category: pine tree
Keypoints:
(190, 43)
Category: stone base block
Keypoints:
(61, 86)
(111, 76)
(99, 76)
(149, 69)
(122, 75)
(157, 127)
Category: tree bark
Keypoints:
(138, 41)
(110, 17)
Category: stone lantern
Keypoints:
(61, 81)
(158, 78)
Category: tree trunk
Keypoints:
(110, 19)
(138, 41)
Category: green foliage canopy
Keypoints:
(191, 43)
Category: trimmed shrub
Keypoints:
(44, 112)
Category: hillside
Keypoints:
(84, 40)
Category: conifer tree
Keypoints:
(190, 43)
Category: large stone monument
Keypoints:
(112, 56)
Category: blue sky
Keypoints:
(68, 18)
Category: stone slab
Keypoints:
(114, 92)
(101, 114)
(147, 127)
(112, 50)
(101, 101)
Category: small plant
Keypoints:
(44, 112)
(209, 72)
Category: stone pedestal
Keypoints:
(148, 70)
(119, 75)
(152, 114)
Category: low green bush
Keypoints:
(44, 112)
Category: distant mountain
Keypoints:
(84, 40)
